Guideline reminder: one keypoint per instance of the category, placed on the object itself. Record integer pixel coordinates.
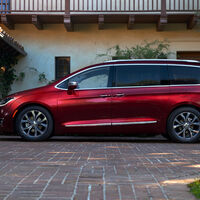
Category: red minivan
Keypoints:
(134, 97)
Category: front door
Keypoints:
(87, 108)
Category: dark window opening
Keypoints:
(62, 67)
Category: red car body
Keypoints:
(133, 110)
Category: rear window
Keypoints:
(180, 75)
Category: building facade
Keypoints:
(61, 36)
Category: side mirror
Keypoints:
(72, 85)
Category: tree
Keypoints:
(7, 72)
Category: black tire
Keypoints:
(34, 123)
(183, 125)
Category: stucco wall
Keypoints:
(85, 43)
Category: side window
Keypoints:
(184, 75)
(141, 75)
(91, 79)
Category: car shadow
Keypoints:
(98, 139)
(109, 139)
(124, 139)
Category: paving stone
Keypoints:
(92, 169)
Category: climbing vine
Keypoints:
(7, 72)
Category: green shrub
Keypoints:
(7, 72)
(195, 188)
(148, 50)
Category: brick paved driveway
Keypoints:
(95, 169)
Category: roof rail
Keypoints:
(123, 60)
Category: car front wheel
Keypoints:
(34, 123)
(184, 125)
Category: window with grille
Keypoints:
(4, 6)
(62, 67)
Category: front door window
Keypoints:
(91, 79)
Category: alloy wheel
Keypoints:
(186, 125)
(34, 123)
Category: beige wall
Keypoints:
(85, 43)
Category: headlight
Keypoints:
(5, 101)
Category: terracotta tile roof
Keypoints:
(12, 42)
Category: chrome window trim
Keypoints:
(112, 124)
(183, 85)
(154, 86)
(180, 65)
(165, 64)
(135, 87)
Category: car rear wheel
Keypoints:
(34, 123)
(184, 125)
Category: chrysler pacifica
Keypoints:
(130, 97)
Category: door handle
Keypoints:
(119, 95)
(105, 95)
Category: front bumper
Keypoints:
(1, 125)
(6, 121)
